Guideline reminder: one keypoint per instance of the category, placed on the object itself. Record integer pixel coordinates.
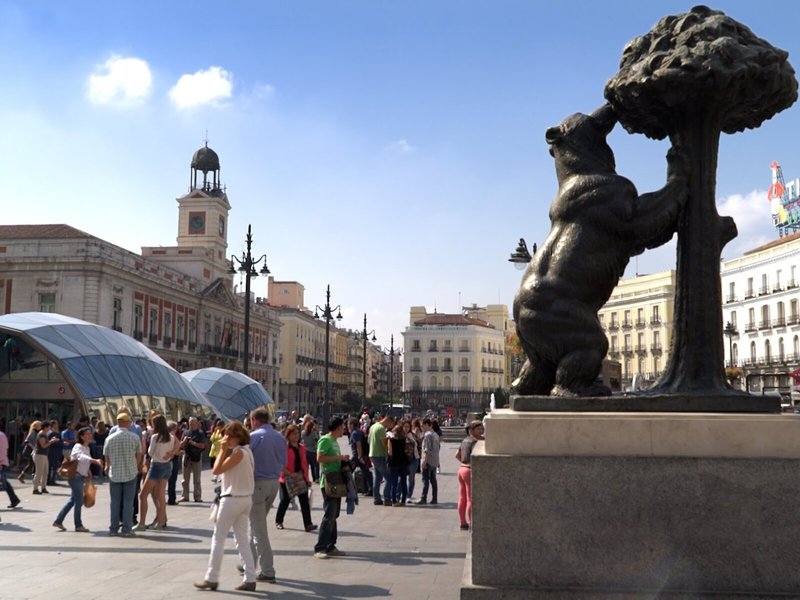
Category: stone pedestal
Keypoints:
(635, 505)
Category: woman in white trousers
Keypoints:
(235, 464)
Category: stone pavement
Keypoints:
(412, 552)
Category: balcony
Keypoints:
(167, 342)
(447, 349)
(626, 324)
(730, 298)
(779, 322)
(463, 349)
(749, 294)
(791, 284)
(750, 327)
(116, 328)
(484, 370)
(656, 349)
(192, 346)
(447, 369)
(432, 349)
(463, 369)
(641, 350)
(777, 287)
(627, 352)
(416, 349)
(763, 290)
(614, 326)
(641, 323)
(655, 320)
(792, 320)
(613, 354)
(137, 335)
(152, 338)
(432, 368)
(416, 369)
(765, 324)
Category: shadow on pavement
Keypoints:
(327, 591)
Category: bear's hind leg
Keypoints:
(535, 379)
(577, 374)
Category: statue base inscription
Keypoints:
(733, 402)
(635, 505)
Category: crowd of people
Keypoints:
(253, 462)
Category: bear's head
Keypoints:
(579, 145)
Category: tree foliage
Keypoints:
(695, 61)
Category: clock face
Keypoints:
(197, 222)
(222, 226)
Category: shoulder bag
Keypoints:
(68, 468)
(89, 493)
(296, 484)
(335, 485)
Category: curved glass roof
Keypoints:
(232, 394)
(99, 361)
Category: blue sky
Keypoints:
(394, 150)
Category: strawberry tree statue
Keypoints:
(693, 76)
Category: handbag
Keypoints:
(68, 468)
(89, 494)
(335, 485)
(296, 484)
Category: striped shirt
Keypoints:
(120, 451)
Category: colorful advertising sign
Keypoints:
(784, 199)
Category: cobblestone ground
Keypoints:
(412, 552)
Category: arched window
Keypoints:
(752, 352)
(415, 383)
(464, 382)
(796, 347)
(767, 351)
(447, 383)
(781, 350)
(433, 382)
(735, 357)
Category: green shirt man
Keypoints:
(329, 446)
(377, 440)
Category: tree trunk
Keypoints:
(696, 358)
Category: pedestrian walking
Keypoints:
(464, 456)
(28, 449)
(4, 464)
(429, 462)
(123, 454)
(378, 454)
(80, 451)
(330, 459)
(236, 467)
(269, 456)
(177, 459)
(193, 444)
(296, 466)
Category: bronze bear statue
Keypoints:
(598, 221)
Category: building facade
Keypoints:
(452, 363)
(762, 320)
(179, 300)
(638, 320)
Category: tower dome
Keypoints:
(205, 160)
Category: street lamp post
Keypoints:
(391, 368)
(247, 266)
(364, 335)
(730, 331)
(327, 313)
(521, 257)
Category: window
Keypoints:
(47, 302)
(415, 346)
(767, 351)
(433, 365)
(640, 316)
(732, 292)
(614, 320)
(602, 319)
(640, 342)
(138, 318)
(179, 329)
(752, 352)
(192, 331)
(117, 315)
(781, 349)
(655, 316)
(153, 321)
(733, 318)
(614, 343)
(447, 365)
(627, 347)
(749, 292)
(167, 324)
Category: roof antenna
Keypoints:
(206, 140)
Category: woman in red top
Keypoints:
(296, 462)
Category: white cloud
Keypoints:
(401, 146)
(202, 87)
(120, 81)
(753, 221)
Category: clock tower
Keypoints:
(203, 211)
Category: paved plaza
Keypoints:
(413, 552)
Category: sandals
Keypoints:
(279, 525)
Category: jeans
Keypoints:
(313, 465)
(263, 497)
(412, 475)
(367, 475)
(429, 476)
(122, 495)
(234, 512)
(381, 473)
(75, 501)
(326, 540)
(398, 489)
(173, 479)
(305, 508)
(12, 496)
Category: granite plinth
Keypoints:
(733, 402)
(620, 511)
